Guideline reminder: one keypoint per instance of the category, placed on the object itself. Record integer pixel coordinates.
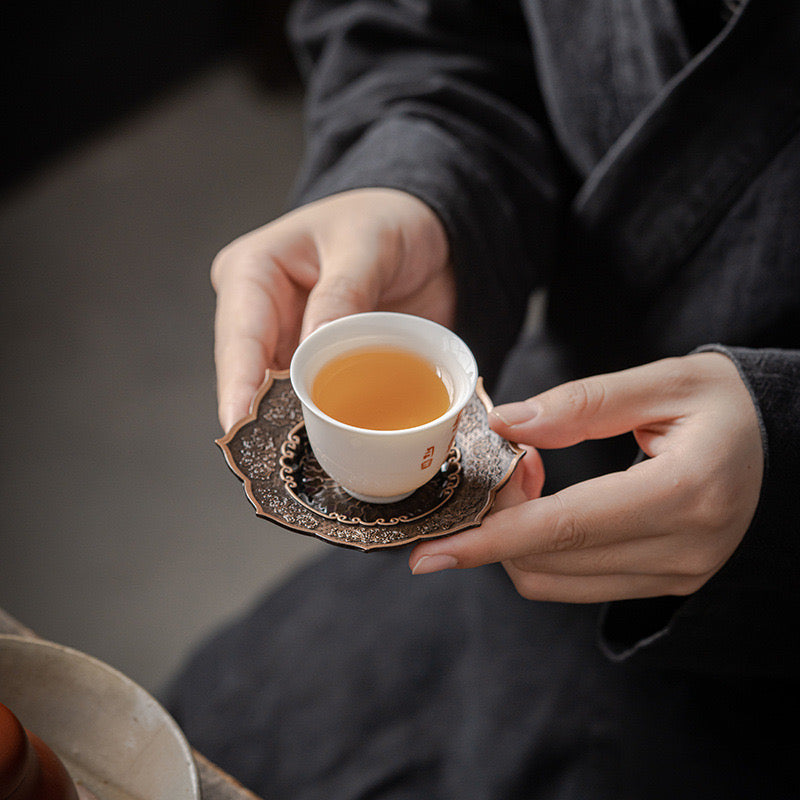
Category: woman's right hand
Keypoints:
(361, 250)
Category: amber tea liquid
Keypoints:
(380, 388)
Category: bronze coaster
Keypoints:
(269, 452)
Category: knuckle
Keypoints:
(232, 258)
(684, 587)
(710, 507)
(674, 371)
(527, 589)
(344, 293)
(606, 561)
(569, 531)
(218, 266)
(698, 563)
(529, 584)
(676, 377)
(710, 515)
(584, 397)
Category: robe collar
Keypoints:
(676, 170)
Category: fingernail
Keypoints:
(428, 564)
(512, 414)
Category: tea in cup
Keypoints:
(381, 395)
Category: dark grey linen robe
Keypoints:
(651, 185)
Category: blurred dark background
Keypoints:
(69, 68)
(139, 137)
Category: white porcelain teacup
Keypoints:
(383, 466)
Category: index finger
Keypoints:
(245, 337)
(257, 307)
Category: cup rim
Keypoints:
(451, 412)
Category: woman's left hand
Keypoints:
(664, 526)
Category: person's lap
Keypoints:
(358, 680)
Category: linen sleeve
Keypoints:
(745, 620)
(438, 98)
